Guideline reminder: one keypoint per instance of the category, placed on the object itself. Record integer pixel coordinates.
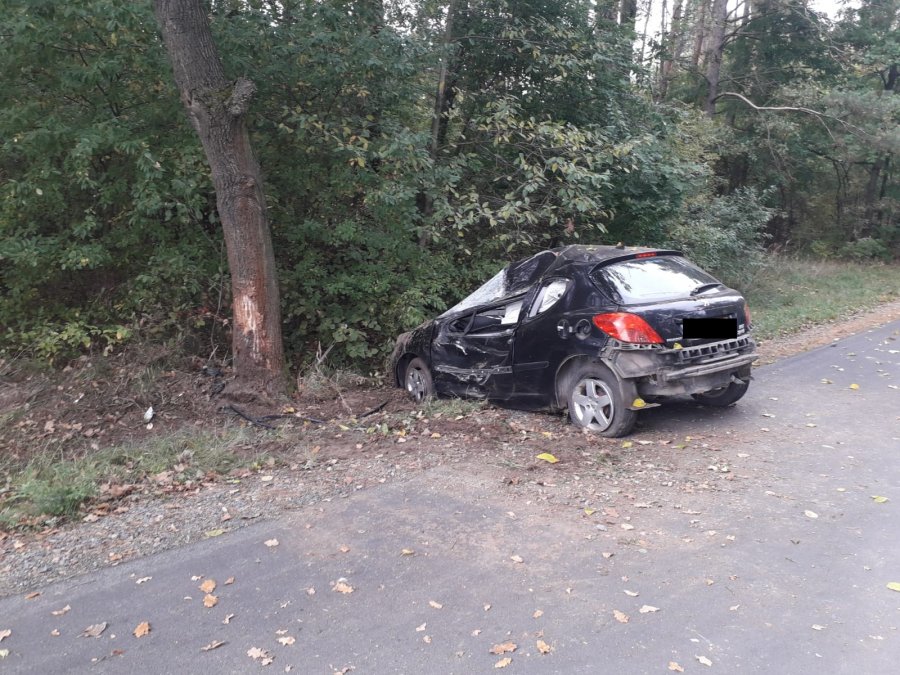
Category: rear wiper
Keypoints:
(702, 288)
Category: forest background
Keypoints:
(409, 149)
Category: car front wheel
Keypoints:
(719, 398)
(596, 402)
(417, 381)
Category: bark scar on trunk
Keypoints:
(248, 316)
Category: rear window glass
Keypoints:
(651, 279)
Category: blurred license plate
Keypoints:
(709, 329)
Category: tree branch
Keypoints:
(239, 101)
(783, 108)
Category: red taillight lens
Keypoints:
(627, 328)
(747, 315)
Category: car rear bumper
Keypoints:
(688, 370)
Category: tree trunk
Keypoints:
(671, 51)
(699, 32)
(216, 107)
(714, 53)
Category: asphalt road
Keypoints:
(784, 570)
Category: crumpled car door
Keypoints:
(472, 354)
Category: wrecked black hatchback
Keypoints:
(604, 331)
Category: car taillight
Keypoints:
(627, 328)
(747, 314)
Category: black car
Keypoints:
(601, 330)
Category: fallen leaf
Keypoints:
(627, 444)
(215, 644)
(271, 542)
(287, 640)
(632, 594)
(854, 386)
(810, 514)
(229, 581)
(702, 659)
(590, 512)
(210, 600)
(142, 629)
(344, 549)
(817, 626)
(504, 647)
(621, 617)
(260, 655)
(547, 457)
(407, 551)
(426, 639)
(627, 526)
(502, 663)
(646, 609)
(638, 403)
(516, 558)
(538, 613)
(94, 631)
(214, 533)
(421, 628)
(543, 647)
(487, 607)
(607, 554)
(60, 612)
(143, 580)
(342, 587)
(436, 605)
(879, 499)
(894, 586)
(208, 586)
(673, 665)
(55, 632)
(4, 653)
(227, 619)
(33, 595)
(5, 634)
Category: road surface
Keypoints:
(783, 570)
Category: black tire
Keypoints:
(596, 400)
(417, 381)
(720, 398)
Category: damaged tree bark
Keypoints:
(216, 108)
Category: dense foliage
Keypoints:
(390, 195)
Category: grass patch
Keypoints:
(790, 295)
(52, 486)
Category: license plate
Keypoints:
(709, 329)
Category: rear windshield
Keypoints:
(651, 279)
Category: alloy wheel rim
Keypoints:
(415, 384)
(592, 404)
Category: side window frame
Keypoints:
(534, 308)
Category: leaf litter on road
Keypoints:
(215, 644)
(95, 630)
(208, 586)
(261, 655)
(543, 647)
(142, 629)
(502, 663)
(504, 648)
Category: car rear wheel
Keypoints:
(719, 398)
(595, 400)
(417, 381)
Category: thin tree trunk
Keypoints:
(439, 116)
(217, 107)
(714, 53)
(671, 49)
(699, 32)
